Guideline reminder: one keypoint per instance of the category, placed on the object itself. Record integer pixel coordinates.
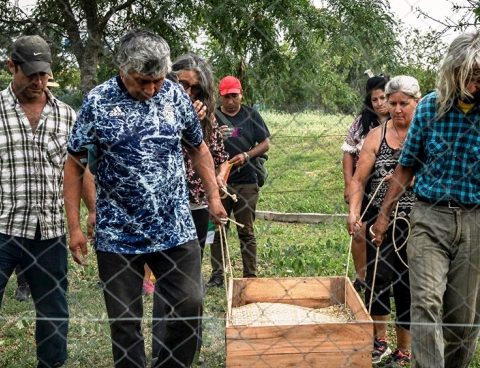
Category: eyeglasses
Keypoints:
(195, 89)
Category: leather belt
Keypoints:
(450, 204)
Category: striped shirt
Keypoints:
(445, 153)
(31, 166)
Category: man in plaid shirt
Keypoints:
(443, 152)
(34, 127)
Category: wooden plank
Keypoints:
(302, 218)
(355, 303)
(360, 359)
(333, 337)
(346, 344)
(293, 290)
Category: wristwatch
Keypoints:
(246, 155)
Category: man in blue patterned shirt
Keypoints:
(442, 151)
(138, 121)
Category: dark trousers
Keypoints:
(21, 279)
(177, 271)
(200, 219)
(391, 272)
(244, 213)
(44, 265)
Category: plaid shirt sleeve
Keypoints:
(413, 150)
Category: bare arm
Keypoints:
(89, 198)
(73, 185)
(221, 174)
(258, 150)
(400, 181)
(347, 173)
(366, 162)
(203, 165)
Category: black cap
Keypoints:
(33, 55)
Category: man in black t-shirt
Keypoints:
(246, 137)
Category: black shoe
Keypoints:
(22, 293)
(359, 285)
(215, 281)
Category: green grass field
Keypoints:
(305, 176)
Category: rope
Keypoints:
(373, 281)
(227, 263)
(227, 194)
(394, 242)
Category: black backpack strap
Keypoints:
(221, 116)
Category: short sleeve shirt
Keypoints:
(444, 153)
(142, 198)
(31, 167)
(249, 129)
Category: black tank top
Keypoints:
(385, 164)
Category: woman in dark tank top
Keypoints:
(378, 159)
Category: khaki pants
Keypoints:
(444, 259)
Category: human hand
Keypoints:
(378, 229)
(200, 109)
(238, 160)
(217, 212)
(221, 181)
(226, 131)
(353, 223)
(78, 247)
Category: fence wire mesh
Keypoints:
(290, 296)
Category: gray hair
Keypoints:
(144, 52)
(205, 76)
(456, 69)
(405, 84)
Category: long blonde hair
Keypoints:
(456, 69)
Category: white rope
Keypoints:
(373, 280)
(397, 249)
(227, 194)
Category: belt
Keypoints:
(450, 204)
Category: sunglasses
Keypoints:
(195, 89)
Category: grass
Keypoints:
(305, 176)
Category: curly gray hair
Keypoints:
(144, 52)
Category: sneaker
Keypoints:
(359, 285)
(380, 350)
(215, 281)
(399, 359)
(22, 293)
(148, 287)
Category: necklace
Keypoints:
(401, 140)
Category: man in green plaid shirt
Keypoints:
(442, 151)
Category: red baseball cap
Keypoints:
(229, 85)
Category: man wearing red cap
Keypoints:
(246, 138)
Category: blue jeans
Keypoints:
(44, 264)
(176, 313)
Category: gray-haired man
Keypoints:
(138, 122)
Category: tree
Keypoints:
(87, 29)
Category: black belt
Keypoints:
(450, 204)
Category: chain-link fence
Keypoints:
(283, 283)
